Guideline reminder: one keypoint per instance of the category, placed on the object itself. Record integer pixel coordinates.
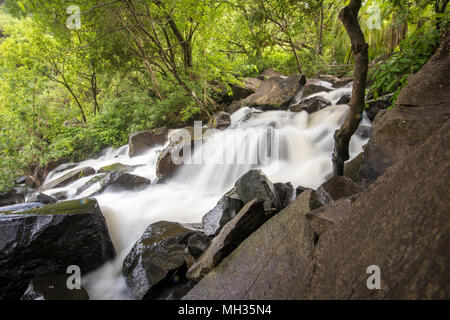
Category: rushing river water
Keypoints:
(304, 146)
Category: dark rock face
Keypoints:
(345, 99)
(246, 87)
(141, 141)
(11, 197)
(42, 198)
(337, 187)
(48, 240)
(250, 218)
(123, 180)
(90, 183)
(421, 109)
(284, 192)
(375, 106)
(313, 86)
(225, 210)
(53, 287)
(156, 263)
(255, 184)
(261, 267)
(220, 120)
(68, 178)
(310, 105)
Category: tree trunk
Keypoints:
(349, 17)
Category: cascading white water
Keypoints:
(304, 142)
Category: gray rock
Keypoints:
(310, 105)
(285, 192)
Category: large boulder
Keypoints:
(250, 218)
(53, 287)
(140, 142)
(68, 178)
(285, 193)
(273, 94)
(245, 87)
(255, 184)
(10, 197)
(261, 266)
(48, 240)
(156, 263)
(421, 109)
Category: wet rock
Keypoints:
(313, 86)
(255, 184)
(246, 87)
(310, 105)
(10, 197)
(261, 267)
(142, 141)
(94, 180)
(61, 195)
(250, 218)
(226, 209)
(49, 239)
(53, 287)
(220, 120)
(42, 198)
(68, 178)
(118, 167)
(337, 187)
(20, 207)
(197, 243)
(284, 191)
(157, 260)
(345, 99)
(122, 180)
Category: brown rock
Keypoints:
(250, 218)
(337, 187)
(269, 73)
(141, 141)
(245, 87)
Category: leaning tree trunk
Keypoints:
(349, 17)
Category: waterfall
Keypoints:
(304, 145)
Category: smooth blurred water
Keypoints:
(304, 143)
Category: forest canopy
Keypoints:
(77, 76)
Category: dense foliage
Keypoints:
(69, 90)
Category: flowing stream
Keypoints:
(303, 145)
